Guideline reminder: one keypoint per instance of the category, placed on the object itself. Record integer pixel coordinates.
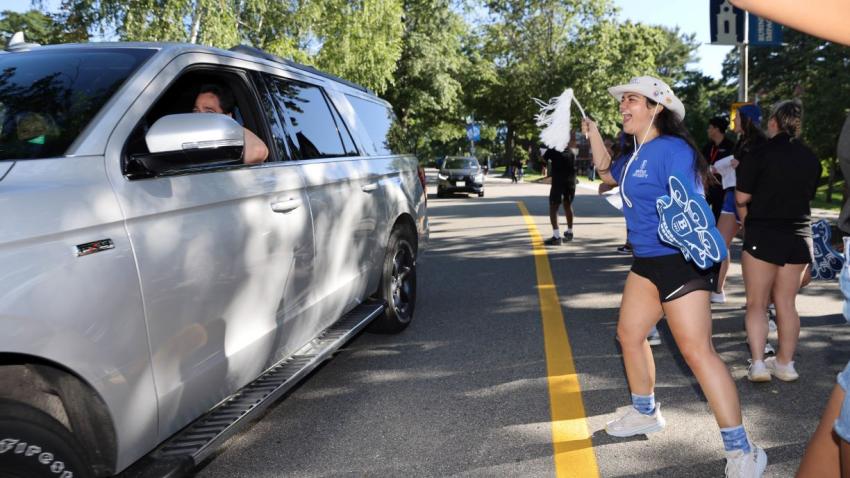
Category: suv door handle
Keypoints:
(370, 187)
(287, 206)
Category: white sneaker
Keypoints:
(758, 372)
(635, 423)
(718, 298)
(782, 372)
(746, 465)
(654, 338)
(768, 349)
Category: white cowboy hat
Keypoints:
(654, 89)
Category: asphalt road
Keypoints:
(464, 392)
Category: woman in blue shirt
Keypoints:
(661, 282)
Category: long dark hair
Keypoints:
(751, 137)
(669, 124)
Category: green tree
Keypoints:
(359, 40)
(427, 92)
(815, 72)
(38, 27)
(528, 47)
(704, 98)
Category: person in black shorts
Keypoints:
(563, 191)
(718, 147)
(774, 187)
(662, 282)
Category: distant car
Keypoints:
(460, 175)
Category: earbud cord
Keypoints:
(634, 156)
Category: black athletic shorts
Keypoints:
(777, 247)
(673, 276)
(562, 192)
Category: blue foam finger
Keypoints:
(827, 262)
(687, 223)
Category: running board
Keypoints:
(199, 440)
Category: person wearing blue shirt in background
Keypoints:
(661, 282)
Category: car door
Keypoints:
(219, 253)
(345, 197)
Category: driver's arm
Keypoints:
(255, 151)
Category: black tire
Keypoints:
(34, 445)
(398, 284)
(440, 193)
(481, 194)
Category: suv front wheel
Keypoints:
(34, 445)
(398, 284)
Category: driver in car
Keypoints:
(213, 98)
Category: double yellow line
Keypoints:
(573, 448)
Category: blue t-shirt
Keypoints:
(644, 180)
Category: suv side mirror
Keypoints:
(180, 141)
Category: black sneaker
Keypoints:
(568, 236)
(553, 241)
(624, 249)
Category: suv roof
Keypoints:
(240, 50)
(256, 52)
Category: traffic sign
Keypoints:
(727, 26)
(727, 23)
(764, 32)
(473, 132)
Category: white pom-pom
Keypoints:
(554, 118)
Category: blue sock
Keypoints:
(735, 438)
(645, 404)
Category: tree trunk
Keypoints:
(196, 23)
(831, 182)
(509, 148)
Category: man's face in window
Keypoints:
(207, 103)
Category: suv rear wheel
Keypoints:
(398, 284)
(34, 445)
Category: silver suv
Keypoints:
(166, 274)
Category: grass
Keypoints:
(820, 197)
(528, 175)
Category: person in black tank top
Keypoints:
(562, 170)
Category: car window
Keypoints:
(47, 97)
(461, 163)
(180, 96)
(378, 120)
(315, 132)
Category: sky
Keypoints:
(691, 16)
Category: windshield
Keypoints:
(461, 163)
(47, 97)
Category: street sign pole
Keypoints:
(744, 70)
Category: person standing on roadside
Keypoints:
(774, 187)
(562, 170)
(718, 147)
(661, 280)
(750, 137)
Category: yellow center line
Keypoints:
(570, 436)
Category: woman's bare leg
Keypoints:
(758, 282)
(822, 456)
(689, 318)
(785, 288)
(639, 311)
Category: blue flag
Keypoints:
(687, 223)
